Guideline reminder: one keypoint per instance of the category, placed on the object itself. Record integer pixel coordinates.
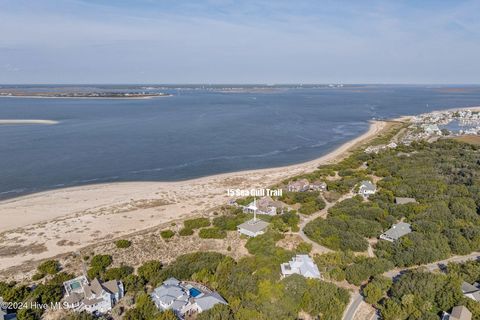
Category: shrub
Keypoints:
(122, 244)
(185, 232)
(167, 234)
(49, 267)
(212, 233)
(38, 276)
(101, 261)
(150, 270)
(196, 223)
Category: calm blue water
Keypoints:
(194, 292)
(193, 133)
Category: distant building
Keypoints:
(367, 188)
(301, 264)
(471, 291)
(301, 185)
(184, 298)
(458, 313)
(401, 200)
(93, 297)
(396, 232)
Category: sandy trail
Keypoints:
(46, 224)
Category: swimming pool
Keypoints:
(194, 292)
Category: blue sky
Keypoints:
(227, 41)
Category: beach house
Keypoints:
(94, 297)
(301, 185)
(265, 205)
(396, 232)
(366, 188)
(301, 264)
(184, 298)
(318, 186)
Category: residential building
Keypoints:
(301, 264)
(265, 205)
(366, 188)
(401, 200)
(318, 186)
(301, 185)
(253, 227)
(396, 232)
(471, 291)
(458, 313)
(94, 297)
(185, 298)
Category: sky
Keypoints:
(250, 41)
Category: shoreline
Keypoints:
(49, 223)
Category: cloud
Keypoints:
(251, 41)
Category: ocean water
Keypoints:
(195, 132)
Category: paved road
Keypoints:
(355, 302)
(434, 265)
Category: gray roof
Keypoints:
(207, 301)
(167, 294)
(254, 226)
(468, 288)
(460, 313)
(398, 230)
(368, 185)
(171, 282)
(401, 200)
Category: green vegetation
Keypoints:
(167, 234)
(356, 270)
(123, 244)
(196, 223)
(98, 265)
(49, 291)
(310, 201)
(49, 267)
(150, 271)
(443, 177)
(424, 295)
(231, 221)
(212, 233)
(185, 232)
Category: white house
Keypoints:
(94, 297)
(184, 298)
(301, 264)
(366, 188)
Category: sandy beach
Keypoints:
(50, 223)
